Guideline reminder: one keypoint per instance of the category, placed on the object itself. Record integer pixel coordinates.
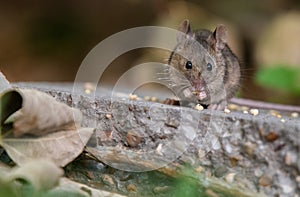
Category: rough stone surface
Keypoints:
(258, 152)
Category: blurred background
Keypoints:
(48, 40)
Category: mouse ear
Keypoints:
(220, 36)
(185, 28)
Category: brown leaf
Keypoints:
(4, 84)
(41, 114)
(81, 189)
(61, 147)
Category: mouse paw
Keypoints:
(218, 106)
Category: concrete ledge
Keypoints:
(260, 152)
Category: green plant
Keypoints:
(280, 77)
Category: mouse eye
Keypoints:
(188, 65)
(209, 66)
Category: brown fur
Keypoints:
(202, 47)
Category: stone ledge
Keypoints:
(262, 152)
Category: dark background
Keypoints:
(47, 40)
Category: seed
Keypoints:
(146, 98)
(89, 88)
(273, 113)
(108, 116)
(153, 99)
(294, 115)
(133, 96)
(244, 108)
(233, 107)
(254, 112)
(227, 111)
(230, 177)
(199, 107)
(87, 91)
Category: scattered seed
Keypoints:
(245, 112)
(227, 111)
(233, 107)
(153, 99)
(244, 108)
(230, 177)
(254, 112)
(298, 179)
(199, 107)
(273, 112)
(131, 188)
(282, 120)
(295, 115)
(108, 116)
(132, 96)
(88, 88)
(87, 91)
(147, 98)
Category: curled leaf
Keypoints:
(72, 188)
(60, 147)
(41, 114)
(4, 84)
(10, 102)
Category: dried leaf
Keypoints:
(4, 84)
(4, 170)
(39, 174)
(79, 189)
(41, 114)
(10, 102)
(60, 147)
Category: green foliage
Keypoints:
(185, 186)
(280, 77)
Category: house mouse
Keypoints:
(203, 69)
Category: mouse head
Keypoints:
(198, 57)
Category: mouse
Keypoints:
(202, 67)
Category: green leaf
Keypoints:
(280, 77)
